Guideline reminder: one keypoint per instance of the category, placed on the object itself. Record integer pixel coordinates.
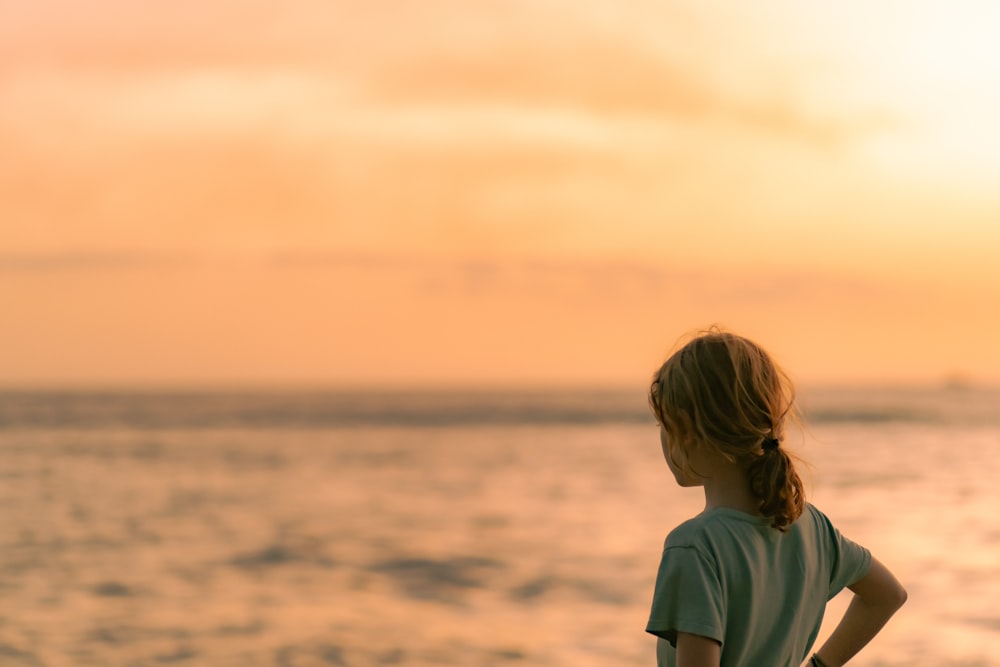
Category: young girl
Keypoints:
(745, 583)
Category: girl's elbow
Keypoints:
(901, 596)
(893, 598)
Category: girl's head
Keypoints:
(721, 395)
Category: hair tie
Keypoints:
(770, 444)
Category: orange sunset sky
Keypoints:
(453, 192)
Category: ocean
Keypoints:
(308, 528)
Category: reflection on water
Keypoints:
(330, 529)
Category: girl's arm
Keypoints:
(697, 651)
(877, 596)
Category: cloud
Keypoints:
(463, 65)
(122, 36)
(90, 260)
(546, 58)
(594, 279)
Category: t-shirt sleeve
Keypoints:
(851, 561)
(687, 597)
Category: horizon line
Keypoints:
(448, 386)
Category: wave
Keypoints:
(312, 410)
(435, 409)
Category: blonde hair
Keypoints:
(724, 392)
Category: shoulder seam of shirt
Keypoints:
(698, 552)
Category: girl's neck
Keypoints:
(728, 486)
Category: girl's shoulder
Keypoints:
(816, 518)
(711, 524)
(723, 522)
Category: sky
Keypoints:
(500, 192)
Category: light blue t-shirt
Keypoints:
(761, 593)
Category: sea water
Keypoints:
(433, 528)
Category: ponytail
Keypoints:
(775, 482)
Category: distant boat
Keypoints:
(958, 382)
